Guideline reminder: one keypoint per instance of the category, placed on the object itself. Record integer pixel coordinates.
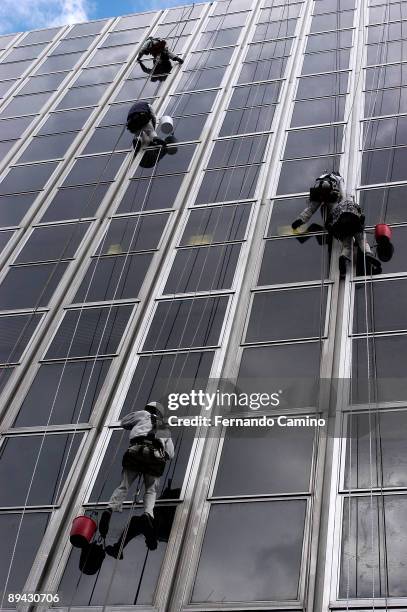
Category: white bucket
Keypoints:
(167, 125)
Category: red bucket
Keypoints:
(82, 531)
(383, 232)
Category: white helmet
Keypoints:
(155, 408)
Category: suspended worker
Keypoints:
(150, 447)
(162, 56)
(343, 219)
(141, 121)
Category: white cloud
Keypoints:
(18, 15)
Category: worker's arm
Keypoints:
(144, 67)
(169, 448)
(175, 58)
(306, 214)
(143, 51)
(129, 420)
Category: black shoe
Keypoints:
(343, 264)
(104, 522)
(113, 550)
(158, 142)
(149, 531)
(373, 265)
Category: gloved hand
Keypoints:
(179, 60)
(297, 223)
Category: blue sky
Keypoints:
(21, 15)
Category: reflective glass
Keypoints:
(289, 449)
(237, 151)
(295, 175)
(75, 202)
(172, 159)
(189, 128)
(59, 62)
(389, 200)
(25, 53)
(84, 29)
(93, 331)
(48, 82)
(387, 52)
(13, 70)
(4, 238)
(175, 29)
(13, 208)
(216, 224)
(19, 455)
(386, 300)
(220, 38)
(331, 40)
(72, 45)
(82, 96)
(278, 29)
(191, 104)
(53, 242)
(140, 233)
(5, 147)
(325, 6)
(317, 141)
(206, 59)
(94, 169)
(384, 166)
(27, 178)
(38, 36)
(190, 11)
(30, 286)
(48, 147)
(228, 184)
(262, 70)
(63, 393)
(394, 75)
(279, 12)
(385, 133)
(203, 269)
(5, 40)
(123, 38)
(326, 61)
(65, 122)
(111, 55)
(268, 50)
(305, 259)
(137, 88)
(94, 76)
(109, 139)
(148, 194)
(255, 95)
(139, 20)
(116, 115)
(384, 13)
(323, 110)
(26, 105)
(226, 21)
(13, 128)
(386, 102)
(114, 278)
(332, 21)
(201, 79)
(324, 85)
(384, 33)
(15, 333)
(225, 559)
(182, 323)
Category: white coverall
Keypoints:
(140, 424)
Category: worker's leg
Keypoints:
(346, 254)
(119, 495)
(371, 263)
(148, 134)
(151, 485)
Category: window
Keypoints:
(225, 559)
(394, 75)
(340, 39)
(280, 12)
(325, 110)
(30, 286)
(238, 151)
(27, 178)
(148, 194)
(201, 79)
(19, 456)
(47, 82)
(137, 88)
(65, 122)
(109, 139)
(191, 104)
(82, 96)
(268, 50)
(14, 128)
(384, 165)
(220, 38)
(325, 61)
(63, 393)
(93, 331)
(228, 185)
(53, 242)
(216, 224)
(75, 202)
(304, 260)
(385, 133)
(228, 21)
(140, 20)
(263, 70)
(278, 29)
(203, 269)
(255, 95)
(332, 21)
(387, 200)
(295, 175)
(15, 333)
(189, 128)
(174, 159)
(59, 62)
(129, 234)
(13, 70)
(386, 102)
(14, 207)
(318, 141)
(195, 322)
(114, 278)
(94, 169)
(75, 44)
(387, 52)
(48, 147)
(386, 300)
(39, 36)
(324, 85)
(85, 29)
(207, 59)
(26, 105)
(123, 38)
(95, 76)
(111, 55)
(25, 53)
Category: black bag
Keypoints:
(92, 557)
(146, 456)
(346, 220)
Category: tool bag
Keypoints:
(346, 219)
(146, 456)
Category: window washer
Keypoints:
(158, 49)
(141, 121)
(343, 219)
(159, 72)
(149, 449)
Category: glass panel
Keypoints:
(189, 128)
(325, 61)
(384, 165)
(191, 104)
(268, 50)
(385, 133)
(331, 40)
(48, 147)
(123, 38)
(127, 234)
(293, 367)
(386, 76)
(40, 36)
(238, 151)
(114, 278)
(24, 532)
(94, 76)
(201, 79)
(82, 96)
(175, 30)
(111, 55)
(25, 53)
(289, 449)
(47, 459)
(262, 71)
(84, 29)
(52, 243)
(13, 70)
(75, 202)
(278, 29)
(182, 323)
(109, 139)
(26, 105)
(139, 20)
(274, 315)
(69, 46)
(228, 21)
(295, 175)
(133, 581)
(14, 208)
(364, 553)
(228, 184)
(94, 169)
(226, 559)
(389, 200)
(220, 38)
(147, 194)
(216, 224)
(324, 85)
(386, 53)
(4, 239)
(30, 286)
(305, 259)
(386, 102)
(255, 95)
(27, 178)
(48, 82)
(137, 88)
(157, 161)
(94, 331)
(324, 6)
(386, 306)
(116, 115)
(280, 13)
(59, 62)
(206, 59)
(63, 393)
(317, 141)
(65, 122)
(15, 333)
(324, 110)
(203, 269)
(378, 450)
(333, 21)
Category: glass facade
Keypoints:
(128, 276)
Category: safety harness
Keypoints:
(146, 454)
